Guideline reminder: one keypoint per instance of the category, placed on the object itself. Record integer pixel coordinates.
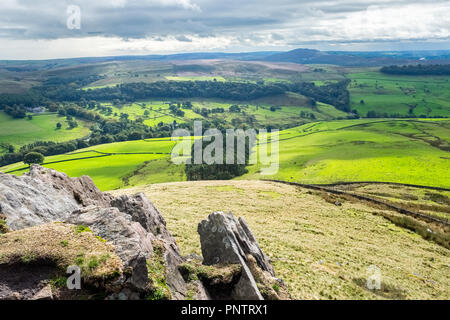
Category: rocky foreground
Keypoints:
(49, 222)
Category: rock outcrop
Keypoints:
(151, 266)
(130, 223)
(44, 195)
(227, 240)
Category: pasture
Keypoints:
(42, 127)
(404, 95)
(405, 151)
(109, 165)
(288, 111)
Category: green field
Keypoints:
(196, 78)
(288, 112)
(406, 151)
(110, 165)
(42, 127)
(422, 96)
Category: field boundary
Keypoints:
(368, 199)
(101, 155)
(380, 182)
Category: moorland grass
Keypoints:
(322, 251)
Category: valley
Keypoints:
(363, 162)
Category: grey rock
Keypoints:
(132, 243)
(130, 223)
(44, 294)
(43, 195)
(141, 210)
(201, 292)
(226, 240)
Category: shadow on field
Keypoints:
(387, 291)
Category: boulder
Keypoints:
(44, 195)
(130, 223)
(233, 265)
(227, 240)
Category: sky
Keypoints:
(46, 29)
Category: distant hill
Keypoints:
(309, 56)
(301, 56)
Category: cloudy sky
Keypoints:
(41, 29)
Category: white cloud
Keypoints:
(111, 26)
(106, 46)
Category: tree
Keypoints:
(235, 109)
(33, 157)
(371, 114)
(73, 124)
(135, 136)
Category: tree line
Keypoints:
(417, 70)
(69, 101)
(335, 93)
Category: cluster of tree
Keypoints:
(33, 157)
(187, 105)
(304, 114)
(417, 70)
(335, 94)
(206, 112)
(235, 109)
(374, 114)
(220, 171)
(26, 101)
(176, 110)
(274, 108)
(75, 110)
(7, 147)
(73, 79)
(168, 89)
(15, 111)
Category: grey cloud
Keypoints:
(253, 20)
(183, 38)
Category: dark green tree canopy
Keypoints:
(33, 158)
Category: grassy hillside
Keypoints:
(111, 165)
(406, 151)
(288, 111)
(321, 250)
(19, 132)
(418, 95)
